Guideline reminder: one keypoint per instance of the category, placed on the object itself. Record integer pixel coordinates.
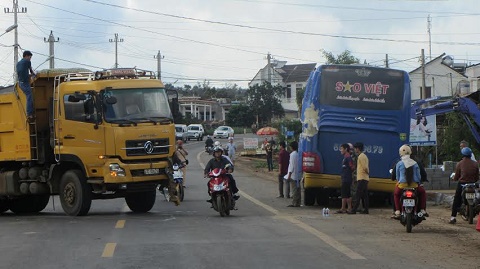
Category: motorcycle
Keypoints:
(470, 201)
(219, 190)
(410, 214)
(209, 150)
(178, 179)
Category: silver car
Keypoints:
(223, 132)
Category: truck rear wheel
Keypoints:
(141, 202)
(75, 193)
(28, 204)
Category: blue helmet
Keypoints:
(466, 151)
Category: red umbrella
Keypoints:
(267, 131)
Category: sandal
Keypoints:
(341, 211)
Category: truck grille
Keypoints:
(147, 147)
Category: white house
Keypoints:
(473, 74)
(291, 77)
(442, 78)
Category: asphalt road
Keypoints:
(262, 233)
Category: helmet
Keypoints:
(466, 151)
(179, 142)
(217, 148)
(230, 138)
(217, 144)
(405, 150)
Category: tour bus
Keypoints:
(349, 104)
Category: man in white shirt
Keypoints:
(293, 175)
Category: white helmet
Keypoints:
(405, 150)
(217, 144)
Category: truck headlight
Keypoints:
(116, 170)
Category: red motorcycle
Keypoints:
(219, 189)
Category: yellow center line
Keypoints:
(109, 250)
(120, 224)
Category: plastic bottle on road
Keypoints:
(324, 212)
(327, 212)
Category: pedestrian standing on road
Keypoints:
(231, 149)
(362, 179)
(466, 171)
(181, 154)
(283, 160)
(269, 151)
(347, 179)
(293, 175)
(24, 66)
(464, 144)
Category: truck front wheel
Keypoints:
(75, 193)
(141, 202)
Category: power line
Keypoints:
(278, 30)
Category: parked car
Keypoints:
(196, 131)
(223, 132)
(181, 132)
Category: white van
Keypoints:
(196, 131)
(181, 132)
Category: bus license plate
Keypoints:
(152, 171)
(409, 202)
(470, 195)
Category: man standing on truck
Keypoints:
(23, 67)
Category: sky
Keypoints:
(226, 42)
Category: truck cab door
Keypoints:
(82, 138)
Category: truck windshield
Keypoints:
(137, 105)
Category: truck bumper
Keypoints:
(333, 181)
(114, 171)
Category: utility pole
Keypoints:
(15, 10)
(429, 27)
(159, 58)
(51, 40)
(116, 40)
(423, 94)
(386, 60)
(269, 70)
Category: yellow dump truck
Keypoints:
(96, 135)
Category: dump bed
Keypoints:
(14, 129)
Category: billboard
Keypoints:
(423, 131)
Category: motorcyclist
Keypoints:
(466, 171)
(181, 155)
(221, 161)
(408, 175)
(208, 143)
